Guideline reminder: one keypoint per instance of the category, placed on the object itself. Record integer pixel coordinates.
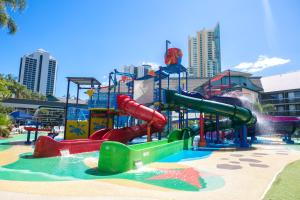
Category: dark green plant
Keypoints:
(5, 125)
(10, 88)
(5, 110)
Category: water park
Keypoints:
(141, 139)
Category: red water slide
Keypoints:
(48, 147)
(139, 111)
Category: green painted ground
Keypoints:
(71, 168)
(287, 184)
(7, 143)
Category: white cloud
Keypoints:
(154, 66)
(262, 63)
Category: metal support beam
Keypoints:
(66, 108)
(108, 97)
(218, 129)
(244, 142)
(159, 96)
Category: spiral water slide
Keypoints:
(156, 120)
(48, 147)
(238, 115)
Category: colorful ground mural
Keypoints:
(167, 173)
(186, 175)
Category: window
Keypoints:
(280, 108)
(297, 94)
(291, 95)
(292, 107)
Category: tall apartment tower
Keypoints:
(38, 72)
(139, 71)
(205, 53)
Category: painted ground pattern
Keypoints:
(167, 174)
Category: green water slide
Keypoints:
(238, 115)
(115, 157)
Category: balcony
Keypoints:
(286, 113)
(281, 101)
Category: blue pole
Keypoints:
(218, 128)
(244, 142)
(167, 46)
(119, 86)
(236, 136)
(132, 94)
(108, 97)
(179, 92)
(115, 77)
(179, 82)
(159, 96)
(132, 88)
(186, 88)
(168, 112)
(66, 108)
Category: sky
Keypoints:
(92, 37)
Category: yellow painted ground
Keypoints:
(12, 154)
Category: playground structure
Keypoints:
(48, 147)
(43, 120)
(114, 116)
(101, 121)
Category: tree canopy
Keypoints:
(6, 8)
(10, 88)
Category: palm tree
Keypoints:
(4, 91)
(5, 125)
(6, 20)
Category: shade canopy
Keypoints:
(84, 81)
(18, 115)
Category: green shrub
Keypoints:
(5, 125)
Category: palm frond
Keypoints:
(11, 25)
(5, 19)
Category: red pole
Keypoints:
(202, 142)
(149, 131)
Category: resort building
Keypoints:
(232, 81)
(283, 91)
(38, 72)
(205, 53)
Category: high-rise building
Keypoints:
(38, 72)
(139, 71)
(128, 69)
(204, 53)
